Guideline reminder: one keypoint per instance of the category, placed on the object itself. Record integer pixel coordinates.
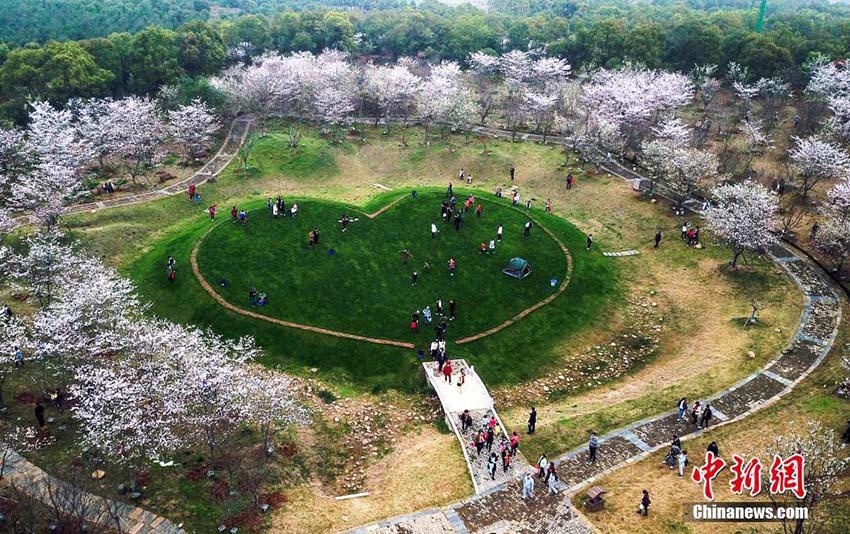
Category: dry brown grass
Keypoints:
(425, 469)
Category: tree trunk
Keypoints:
(735, 258)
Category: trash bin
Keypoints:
(595, 502)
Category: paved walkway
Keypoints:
(78, 504)
(473, 396)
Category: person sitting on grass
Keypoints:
(262, 300)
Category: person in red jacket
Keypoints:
(447, 372)
(212, 211)
(191, 191)
(514, 443)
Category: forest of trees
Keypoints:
(124, 47)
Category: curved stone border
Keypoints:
(196, 270)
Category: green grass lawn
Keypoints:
(364, 287)
(520, 352)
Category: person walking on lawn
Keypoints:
(589, 241)
(405, 256)
(643, 508)
(657, 238)
(499, 233)
(39, 414)
(452, 308)
(532, 420)
(234, 214)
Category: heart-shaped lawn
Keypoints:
(363, 287)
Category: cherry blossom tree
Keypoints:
(484, 70)
(334, 106)
(58, 155)
(755, 136)
(679, 166)
(95, 122)
(541, 108)
(140, 131)
(267, 402)
(839, 123)
(825, 463)
(833, 241)
(442, 99)
(253, 88)
(773, 92)
(41, 268)
(193, 126)
(53, 136)
(815, 160)
(16, 160)
(13, 336)
(634, 99)
(394, 90)
(706, 84)
(743, 217)
(830, 84)
(87, 317)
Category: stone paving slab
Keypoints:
(621, 253)
(661, 430)
(795, 360)
(821, 319)
(749, 395)
(478, 463)
(812, 283)
(507, 512)
(574, 466)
